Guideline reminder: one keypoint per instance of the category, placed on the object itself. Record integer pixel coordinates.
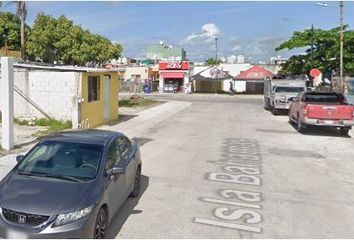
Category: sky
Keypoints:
(252, 29)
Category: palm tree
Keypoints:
(21, 12)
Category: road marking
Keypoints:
(228, 225)
(239, 204)
(241, 162)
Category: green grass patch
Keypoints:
(53, 125)
(21, 122)
(137, 103)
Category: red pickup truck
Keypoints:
(322, 109)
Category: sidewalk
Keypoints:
(126, 95)
(136, 127)
(139, 125)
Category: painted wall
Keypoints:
(233, 69)
(240, 86)
(54, 92)
(94, 111)
(142, 71)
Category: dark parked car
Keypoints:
(69, 186)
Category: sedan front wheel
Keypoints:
(137, 184)
(101, 224)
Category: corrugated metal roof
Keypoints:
(255, 73)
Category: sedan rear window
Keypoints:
(62, 159)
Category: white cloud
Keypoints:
(207, 34)
(236, 48)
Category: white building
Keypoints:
(240, 59)
(232, 69)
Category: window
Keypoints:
(289, 89)
(68, 159)
(124, 145)
(93, 88)
(113, 156)
(323, 98)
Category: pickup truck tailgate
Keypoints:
(343, 112)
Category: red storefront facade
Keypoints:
(174, 76)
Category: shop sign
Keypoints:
(174, 65)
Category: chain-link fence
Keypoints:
(137, 86)
(131, 86)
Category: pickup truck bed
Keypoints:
(322, 109)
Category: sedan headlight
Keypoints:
(71, 217)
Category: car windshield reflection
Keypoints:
(62, 160)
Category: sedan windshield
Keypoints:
(62, 160)
(288, 89)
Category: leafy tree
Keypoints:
(325, 54)
(10, 29)
(60, 40)
(41, 40)
(212, 61)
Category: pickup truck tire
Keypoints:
(266, 104)
(274, 111)
(344, 131)
(291, 120)
(299, 126)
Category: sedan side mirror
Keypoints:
(118, 170)
(19, 158)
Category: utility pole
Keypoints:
(343, 82)
(312, 43)
(216, 48)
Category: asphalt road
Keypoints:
(226, 168)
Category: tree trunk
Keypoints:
(21, 13)
(22, 38)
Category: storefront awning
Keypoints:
(171, 74)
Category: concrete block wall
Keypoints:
(54, 92)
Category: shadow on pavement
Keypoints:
(126, 210)
(121, 118)
(320, 131)
(141, 141)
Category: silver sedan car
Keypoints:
(69, 186)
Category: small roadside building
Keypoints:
(211, 80)
(85, 96)
(252, 80)
(174, 76)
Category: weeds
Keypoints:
(137, 103)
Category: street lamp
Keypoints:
(343, 82)
(216, 48)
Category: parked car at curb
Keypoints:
(317, 108)
(69, 185)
